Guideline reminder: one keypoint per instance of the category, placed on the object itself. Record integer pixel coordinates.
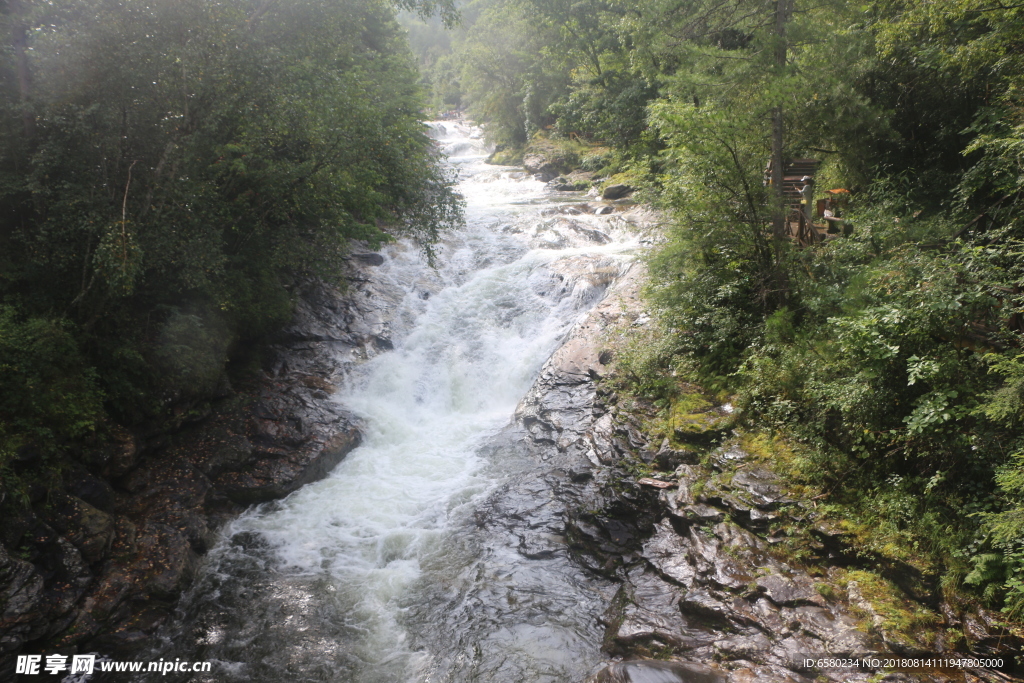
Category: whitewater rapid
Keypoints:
(354, 577)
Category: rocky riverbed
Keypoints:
(99, 564)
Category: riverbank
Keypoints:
(728, 571)
(99, 564)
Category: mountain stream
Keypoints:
(390, 568)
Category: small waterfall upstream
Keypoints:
(382, 572)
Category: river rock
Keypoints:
(87, 528)
(616, 191)
(278, 471)
(653, 671)
(538, 163)
(576, 181)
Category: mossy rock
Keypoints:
(561, 154)
(695, 421)
(619, 185)
(512, 156)
(576, 181)
(899, 619)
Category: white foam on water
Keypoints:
(350, 546)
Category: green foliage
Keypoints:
(48, 394)
(190, 352)
(170, 170)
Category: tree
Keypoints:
(190, 160)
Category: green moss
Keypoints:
(508, 156)
(902, 619)
(625, 178)
(826, 591)
(692, 423)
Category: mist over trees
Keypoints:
(890, 360)
(169, 171)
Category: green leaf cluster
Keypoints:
(169, 171)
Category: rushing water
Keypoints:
(381, 572)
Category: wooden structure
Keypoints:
(793, 173)
(800, 217)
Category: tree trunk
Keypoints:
(779, 231)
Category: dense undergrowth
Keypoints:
(893, 378)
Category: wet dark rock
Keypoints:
(25, 615)
(224, 451)
(761, 487)
(668, 458)
(616, 191)
(789, 591)
(761, 520)
(669, 554)
(604, 210)
(92, 489)
(61, 565)
(540, 546)
(645, 611)
(654, 671)
(369, 259)
(164, 560)
(700, 514)
(620, 533)
(752, 647)
(87, 528)
(276, 472)
(704, 608)
(581, 476)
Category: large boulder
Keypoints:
(540, 164)
(616, 191)
(87, 528)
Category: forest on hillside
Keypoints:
(886, 366)
(170, 172)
